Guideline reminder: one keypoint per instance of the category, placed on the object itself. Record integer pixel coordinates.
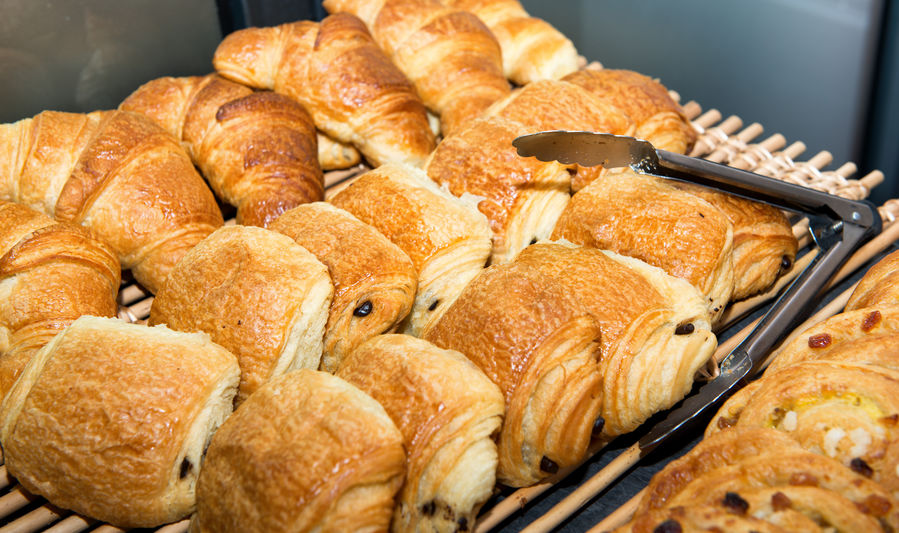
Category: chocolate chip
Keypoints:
(239, 322)
(548, 465)
(428, 509)
(463, 524)
(685, 329)
(786, 263)
(185, 468)
(821, 340)
(735, 504)
(598, 424)
(668, 526)
(534, 240)
(364, 309)
(434, 304)
(701, 215)
(859, 466)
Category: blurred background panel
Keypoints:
(825, 72)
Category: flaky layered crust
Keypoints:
(446, 238)
(452, 58)
(879, 287)
(337, 72)
(844, 410)
(51, 273)
(306, 452)
(764, 244)
(521, 197)
(531, 338)
(140, 406)
(116, 173)
(648, 219)
(374, 280)
(532, 49)
(655, 328)
(257, 150)
(447, 411)
(255, 292)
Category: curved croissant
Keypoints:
(447, 411)
(532, 48)
(51, 273)
(532, 338)
(118, 174)
(452, 58)
(257, 150)
(879, 286)
(374, 280)
(336, 71)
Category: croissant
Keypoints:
(879, 286)
(645, 218)
(531, 337)
(257, 150)
(845, 410)
(335, 70)
(840, 333)
(655, 328)
(305, 452)
(759, 474)
(111, 419)
(51, 273)
(256, 293)
(447, 239)
(374, 280)
(532, 49)
(116, 173)
(447, 410)
(452, 58)
(521, 197)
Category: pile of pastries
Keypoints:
(456, 317)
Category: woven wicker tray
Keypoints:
(723, 140)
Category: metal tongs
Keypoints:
(838, 226)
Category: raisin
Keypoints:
(735, 504)
(871, 320)
(821, 340)
(780, 501)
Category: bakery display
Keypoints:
(532, 48)
(449, 54)
(305, 452)
(447, 239)
(447, 411)
(257, 150)
(256, 293)
(656, 330)
(335, 70)
(140, 406)
(118, 174)
(649, 219)
(374, 280)
(51, 273)
(542, 354)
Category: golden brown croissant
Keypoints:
(879, 286)
(447, 239)
(521, 197)
(646, 218)
(655, 328)
(111, 419)
(452, 58)
(374, 281)
(844, 410)
(447, 411)
(51, 273)
(532, 48)
(306, 452)
(337, 72)
(256, 293)
(257, 150)
(116, 173)
(532, 338)
(658, 118)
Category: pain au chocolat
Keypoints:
(111, 419)
(305, 452)
(255, 292)
(448, 412)
(374, 281)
